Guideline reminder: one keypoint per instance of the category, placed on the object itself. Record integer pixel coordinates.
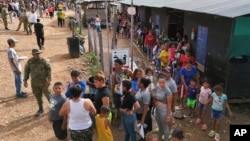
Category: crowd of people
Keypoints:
(136, 95)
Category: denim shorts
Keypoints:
(216, 114)
(202, 106)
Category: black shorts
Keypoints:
(118, 101)
(59, 133)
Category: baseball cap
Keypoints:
(167, 69)
(12, 40)
(36, 51)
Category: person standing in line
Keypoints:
(14, 60)
(205, 93)
(118, 75)
(78, 111)
(143, 96)
(163, 105)
(98, 23)
(4, 14)
(59, 18)
(102, 97)
(76, 79)
(149, 43)
(128, 109)
(40, 72)
(57, 99)
(51, 11)
(40, 9)
(103, 125)
(219, 102)
(39, 34)
(32, 21)
(63, 18)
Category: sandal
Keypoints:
(198, 121)
(217, 137)
(204, 127)
(211, 133)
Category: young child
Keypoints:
(177, 78)
(103, 125)
(150, 75)
(137, 74)
(205, 93)
(193, 91)
(57, 99)
(156, 54)
(152, 136)
(177, 135)
(47, 13)
(219, 100)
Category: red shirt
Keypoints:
(184, 60)
(150, 40)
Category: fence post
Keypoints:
(101, 50)
(90, 39)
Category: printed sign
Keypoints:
(121, 54)
(131, 10)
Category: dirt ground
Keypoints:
(17, 121)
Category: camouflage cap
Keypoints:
(36, 51)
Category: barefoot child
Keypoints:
(219, 100)
(205, 93)
(57, 99)
(192, 94)
(103, 125)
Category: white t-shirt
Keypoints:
(98, 21)
(12, 54)
(204, 95)
(33, 18)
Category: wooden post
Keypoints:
(90, 39)
(95, 44)
(101, 50)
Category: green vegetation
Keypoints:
(93, 62)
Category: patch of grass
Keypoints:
(93, 62)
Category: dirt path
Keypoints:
(17, 120)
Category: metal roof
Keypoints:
(226, 8)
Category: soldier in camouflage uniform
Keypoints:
(4, 14)
(40, 71)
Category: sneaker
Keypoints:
(39, 112)
(21, 95)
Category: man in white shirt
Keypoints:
(14, 60)
(32, 21)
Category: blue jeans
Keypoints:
(128, 123)
(18, 82)
(149, 52)
(98, 28)
(157, 64)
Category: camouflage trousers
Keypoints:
(38, 90)
(5, 22)
(81, 135)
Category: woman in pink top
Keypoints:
(205, 92)
(51, 11)
(171, 57)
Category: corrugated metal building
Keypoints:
(222, 43)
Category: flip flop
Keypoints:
(217, 137)
(211, 133)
